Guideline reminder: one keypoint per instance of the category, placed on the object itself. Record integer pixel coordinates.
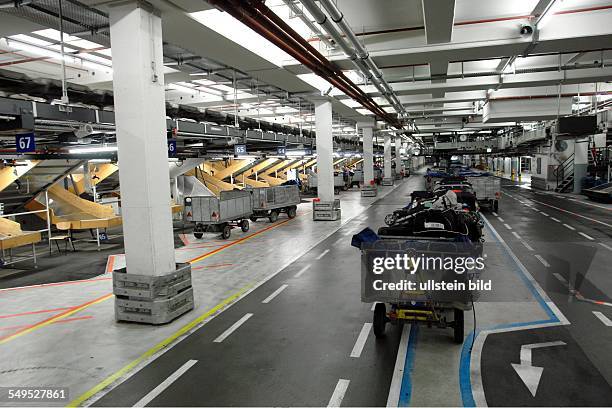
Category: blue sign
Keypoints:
(281, 150)
(171, 148)
(103, 236)
(240, 149)
(25, 143)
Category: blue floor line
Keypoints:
(465, 383)
(406, 389)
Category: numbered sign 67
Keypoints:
(25, 143)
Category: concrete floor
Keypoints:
(298, 319)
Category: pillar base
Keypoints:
(369, 191)
(387, 181)
(152, 299)
(326, 210)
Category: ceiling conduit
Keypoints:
(257, 16)
(357, 53)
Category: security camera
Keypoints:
(526, 29)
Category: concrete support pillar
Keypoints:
(138, 85)
(387, 154)
(581, 162)
(398, 158)
(368, 156)
(325, 147)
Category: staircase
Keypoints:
(564, 174)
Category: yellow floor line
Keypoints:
(149, 353)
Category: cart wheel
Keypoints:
(253, 218)
(380, 319)
(198, 231)
(496, 206)
(244, 225)
(273, 216)
(458, 326)
(226, 232)
(292, 212)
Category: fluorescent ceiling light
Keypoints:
(96, 149)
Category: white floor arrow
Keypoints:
(530, 374)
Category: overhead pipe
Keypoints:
(322, 37)
(337, 16)
(261, 19)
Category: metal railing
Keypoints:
(564, 170)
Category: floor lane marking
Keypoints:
(507, 226)
(222, 265)
(398, 371)
(526, 245)
(500, 219)
(233, 328)
(542, 260)
(605, 246)
(301, 271)
(560, 278)
(70, 319)
(165, 384)
(338, 240)
(361, 340)
(603, 318)
(590, 238)
(544, 214)
(34, 312)
(516, 235)
(322, 254)
(494, 213)
(52, 319)
(555, 219)
(338, 395)
(44, 285)
(569, 227)
(274, 294)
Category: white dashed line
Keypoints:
(560, 278)
(507, 226)
(361, 340)
(605, 246)
(501, 219)
(233, 328)
(338, 395)
(495, 214)
(555, 219)
(301, 271)
(274, 294)
(570, 227)
(322, 254)
(603, 318)
(526, 245)
(587, 236)
(338, 240)
(546, 264)
(516, 235)
(544, 214)
(165, 384)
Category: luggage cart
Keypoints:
(442, 309)
(269, 202)
(219, 214)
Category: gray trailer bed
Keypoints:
(219, 214)
(271, 201)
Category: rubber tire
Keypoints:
(273, 216)
(244, 225)
(253, 218)
(458, 326)
(226, 232)
(198, 231)
(198, 235)
(380, 320)
(496, 206)
(291, 212)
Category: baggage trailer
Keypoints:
(269, 202)
(219, 214)
(487, 190)
(442, 309)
